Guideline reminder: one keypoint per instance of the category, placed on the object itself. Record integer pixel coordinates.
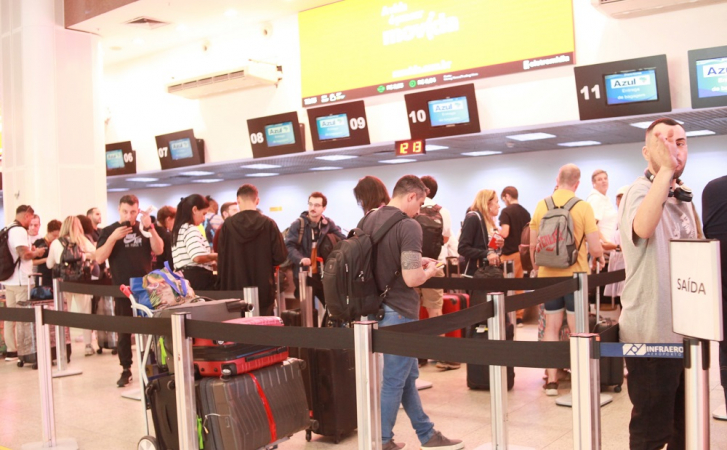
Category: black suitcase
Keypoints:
(163, 404)
(478, 376)
(612, 369)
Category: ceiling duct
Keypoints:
(146, 23)
(250, 76)
(623, 9)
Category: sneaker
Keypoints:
(125, 378)
(551, 389)
(391, 445)
(11, 356)
(423, 362)
(519, 323)
(89, 350)
(448, 365)
(439, 441)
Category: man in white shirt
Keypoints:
(16, 287)
(606, 214)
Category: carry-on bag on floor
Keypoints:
(450, 303)
(252, 410)
(478, 376)
(106, 339)
(612, 369)
(25, 336)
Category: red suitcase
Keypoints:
(451, 303)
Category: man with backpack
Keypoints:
(312, 230)
(399, 267)
(559, 226)
(16, 264)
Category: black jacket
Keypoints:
(472, 243)
(250, 246)
(296, 251)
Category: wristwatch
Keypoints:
(151, 227)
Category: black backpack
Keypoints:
(430, 218)
(72, 266)
(7, 264)
(348, 274)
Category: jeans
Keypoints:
(122, 308)
(656, 390)
(399, 387)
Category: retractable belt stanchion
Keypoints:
(581, 313)
(306, 299)
(368, 405)
(585, 388)
(696, 393)
(184, 384)
(135, 393)
(251, 297)
(280, 297)
(43, 347)
(61, 351)
(509, 271)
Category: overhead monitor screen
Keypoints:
(181, 149)
(333, 127)
(363, 48)
(631, 87)
(279, 134)
(114, 159)
(712, 77)
(448, 112)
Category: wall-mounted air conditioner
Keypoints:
(252, 75)
(623, 9)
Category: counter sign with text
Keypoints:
(696, 288)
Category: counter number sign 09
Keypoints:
(257, 138)
(357, 123)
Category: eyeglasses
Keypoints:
(315, 205)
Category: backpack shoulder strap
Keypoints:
(549, 203)
(571, 203)
(300, 230)
(388, 225)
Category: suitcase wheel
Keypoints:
(147, 443)
(114, 352)
(99, 351)
(617, 389)
(34, 366)
(21, 363)
(308, 435)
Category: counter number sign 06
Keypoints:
(257, 138)
(128, 158)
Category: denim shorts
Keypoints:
(555, 305)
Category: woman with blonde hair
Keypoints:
(477, 229)
(71, 236)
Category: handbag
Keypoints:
(41, 293)
(486, 270)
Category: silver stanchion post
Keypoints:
(280, 297)
(586, 386)
(509, 272)
(61, 352)
(696, 393)
(184, 381)
(48, 425)
(367, 387)
(306, 299)
(251, 297)
(581, 313)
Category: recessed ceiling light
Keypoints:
(138, 41)
(117, 190)
(397, 161)
(262, 174)
(336, 157)
(531, 136)
(231, 13)
(196, 173)
(326, 168)
(208, 180)
(182, 27)
(700, 133)
(260, 166)
(158, 185)
(482, 153)
(434, 147)
(142, 179)
(645, 125)
(579, 143)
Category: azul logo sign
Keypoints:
(642, 80)
(448, 106)
(279, 129)
(714, 70)
(653, 350)
(335, 122)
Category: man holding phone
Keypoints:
(128, 245)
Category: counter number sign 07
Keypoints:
(357, 123)
(596, 89)
(257, 138)
(163, 152)
(418, 116)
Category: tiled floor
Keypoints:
(90, 409)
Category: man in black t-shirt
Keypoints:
(128, 245)
(513, 219)
(46, 278)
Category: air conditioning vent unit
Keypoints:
(251, 76)
(623, 9)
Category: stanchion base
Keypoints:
(132, 394)
(567, 400)
(491, 446)
(61, 444)
(66, 373)
(421, 384)
(720, 413)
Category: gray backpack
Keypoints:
(556, 246)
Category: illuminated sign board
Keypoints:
(708, 77)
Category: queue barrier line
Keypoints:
(604, 278)
(92, 288)
(491, 284)
(17, 314)
(447, 322)
(528, 299)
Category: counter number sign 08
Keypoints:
(257, 138)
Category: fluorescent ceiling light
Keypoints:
(579, 143)
(326, 168)
(530, 136)
(434, 147)
(158, 185)
(142, 179)
(138, 41)
(231, 13)
(117, 190)
(336, 157)
(700, 133)
(260, 166)
(397, 161)
(645, 125)
(196, 173)
(208, 180)
(482, 153)
(262, 174)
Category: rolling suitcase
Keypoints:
(612, 369)
(253, 410)
(106, 339)
(478, 376)
(25, 336)
(163, 405)
(451, 303)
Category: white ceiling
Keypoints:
(189, 21)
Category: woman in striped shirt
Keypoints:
(190, 250)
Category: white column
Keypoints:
(53, 131)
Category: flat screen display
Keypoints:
(114, 159)
(631, 87)
(181, 149)
(333, 127)
(448, 112)
(712, 77)
(279, 134)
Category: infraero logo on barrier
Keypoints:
(653, 350)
